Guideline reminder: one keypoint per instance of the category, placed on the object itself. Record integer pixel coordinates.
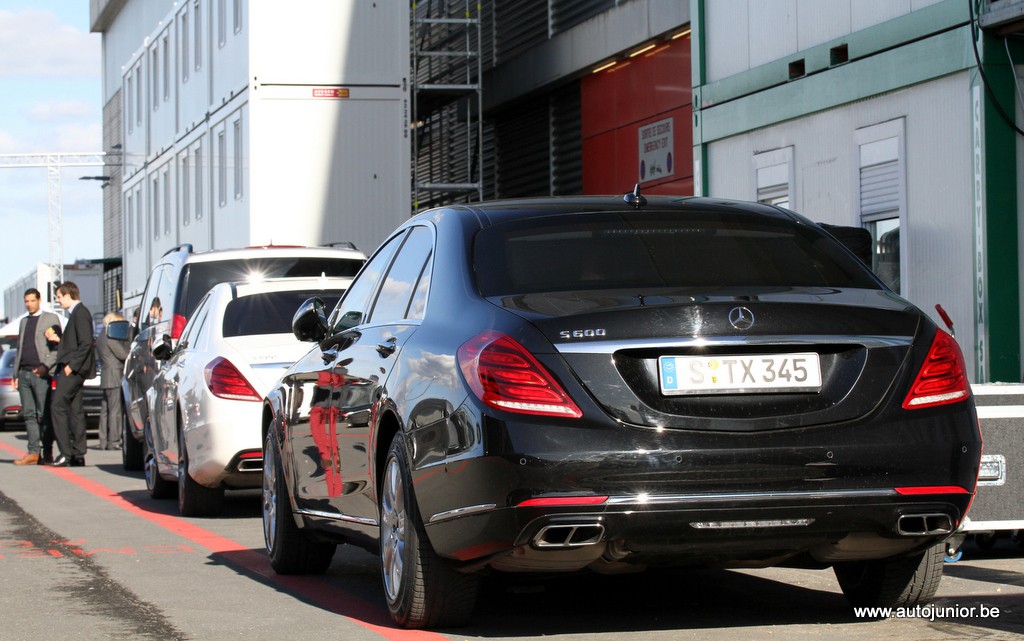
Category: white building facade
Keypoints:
(256, 123)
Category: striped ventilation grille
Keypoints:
(879, 190)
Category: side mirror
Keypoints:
(119, 330)
(163, 351)
(310, 321)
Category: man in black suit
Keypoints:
(76, 362)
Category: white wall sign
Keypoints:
(656, 151)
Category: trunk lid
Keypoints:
(614, 342)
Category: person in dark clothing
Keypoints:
(34, 363)
(76, 361)
(112, 354)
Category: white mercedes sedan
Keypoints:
(203, 433)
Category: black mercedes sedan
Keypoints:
(609, 383)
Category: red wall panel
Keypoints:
(617, 102)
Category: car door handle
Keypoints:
(388, 347)
(330, 355)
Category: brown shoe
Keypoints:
(29, 459)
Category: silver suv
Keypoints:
(177, 283)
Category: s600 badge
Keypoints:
(582, 333)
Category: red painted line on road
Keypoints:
(340, 602)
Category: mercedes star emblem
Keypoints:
(741, 318)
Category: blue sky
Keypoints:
(50, 101)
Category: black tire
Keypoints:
(195, 499)
(904, 581)
(290, 549)
(157, 486)
(131, 450)
(422, 589)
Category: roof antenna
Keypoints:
(635, 199)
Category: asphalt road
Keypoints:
(86, 554)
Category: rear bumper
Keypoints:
(221, 444)
(725, 530)
(817, 495)
(92, 400)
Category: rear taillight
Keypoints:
(225, 381)
(7, 381)
(177, 325)
(943, 376)
(505, 376)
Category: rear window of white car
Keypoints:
(271, 312)
(201, 277)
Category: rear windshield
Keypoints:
(644, 250)
(199, 278)
(270, 313)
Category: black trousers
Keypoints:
(67, 414)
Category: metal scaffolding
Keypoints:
(447, 153)
(54, 163)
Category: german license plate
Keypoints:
(724, 374)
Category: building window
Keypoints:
(129, 219)
(139, 102)
(155, 76)
(222, 169)
(773, 176)
(236, 11)
(167, 200)
(198, 157)
(167, 68)
(237, 132)
(197, 20)
(140, 220)
(222, 20)
(186, 197)
(155, 198)
(129, 108)
(184, 45)
(881, 198)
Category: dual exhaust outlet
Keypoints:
(924, 524)
(568, 535)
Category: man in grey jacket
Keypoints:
(33, 366)
(111, 353)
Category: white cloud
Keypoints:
(78, 137)
(70, 136)
(36, 43)
(62, 110)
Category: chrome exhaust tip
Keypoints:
(250, 465)
(568, 535)
(924, 524)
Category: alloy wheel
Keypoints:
(270, 497)
(394, 521)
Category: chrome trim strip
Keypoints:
(610, 347)
(666, 499)
(461, 511)
(338, 517)
(280, 365)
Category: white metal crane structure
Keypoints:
(54, 163)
